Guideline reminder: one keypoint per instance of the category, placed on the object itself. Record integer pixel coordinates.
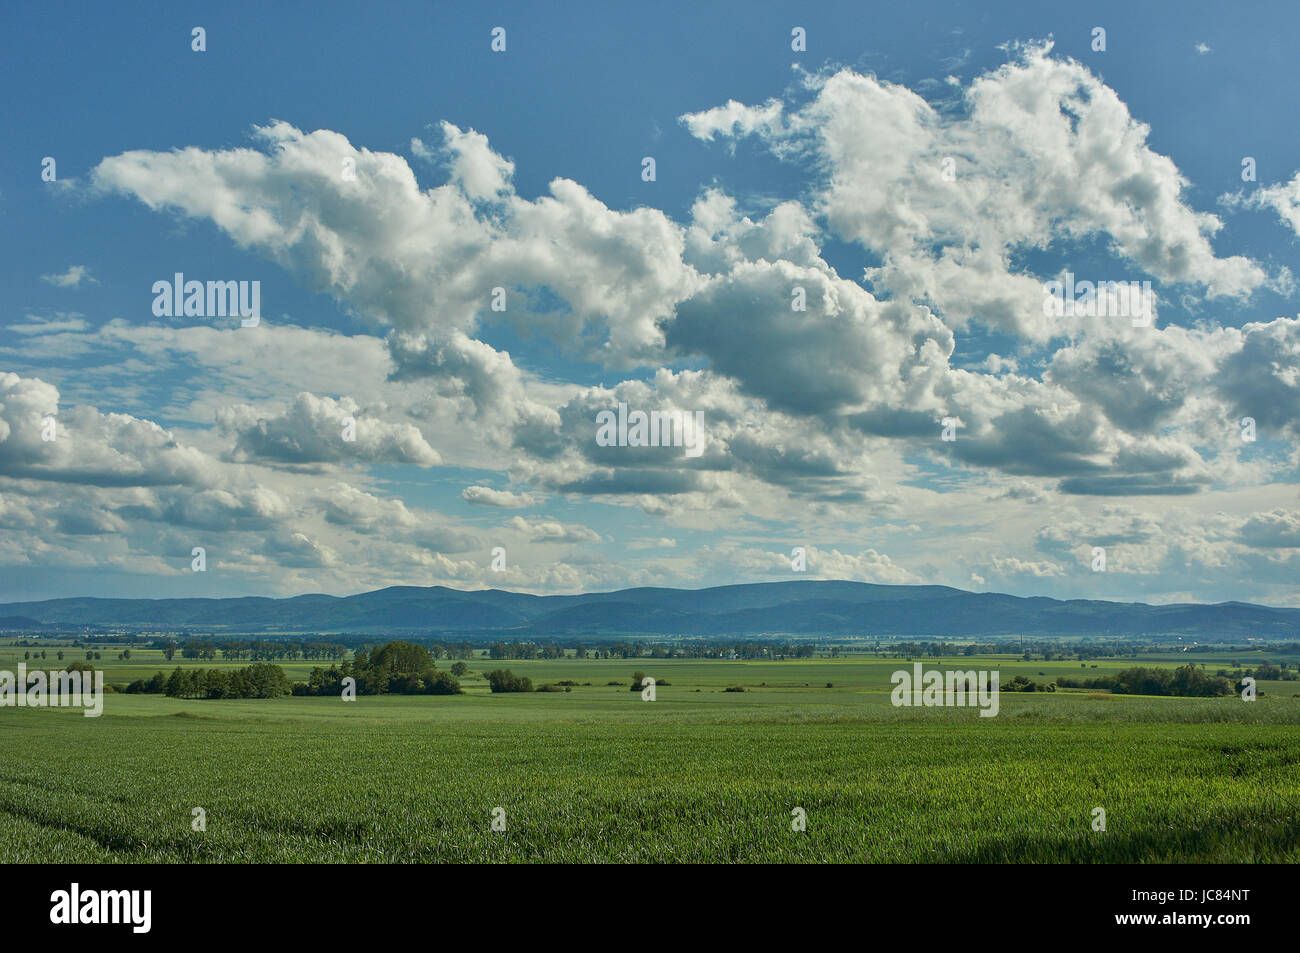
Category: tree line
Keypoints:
(259, 680)
(1186, 681)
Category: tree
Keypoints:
(459, 669)
(175, 683)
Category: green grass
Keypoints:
(599, 775)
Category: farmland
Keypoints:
(699, 774)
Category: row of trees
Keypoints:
(260, 650)
(259, 680)
(1028, 651)
(90, 656)
(1264, 672)
(625, 650)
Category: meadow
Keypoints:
(597, 774)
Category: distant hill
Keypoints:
(19, 623)
(807, 608)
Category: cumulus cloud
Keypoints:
(1043, 151)
(315, 430)
(1279, 529)
(504, 499)
(822, 392)
(39, 440)
(553, 531)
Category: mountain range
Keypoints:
(796, 608)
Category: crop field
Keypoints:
(699, 774)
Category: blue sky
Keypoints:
(824, 432)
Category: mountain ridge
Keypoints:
(792, 607)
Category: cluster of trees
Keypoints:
(259, 680)
(504, 680)
(397, 668)
(1186, 681)
(1022, 684)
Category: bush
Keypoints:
(733, 688)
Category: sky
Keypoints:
(835, 237)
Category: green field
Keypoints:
(699, 774)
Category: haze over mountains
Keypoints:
(798, 608)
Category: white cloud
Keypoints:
(72, 278)
(321, 430)
(504, 499)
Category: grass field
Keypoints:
(699, 774)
